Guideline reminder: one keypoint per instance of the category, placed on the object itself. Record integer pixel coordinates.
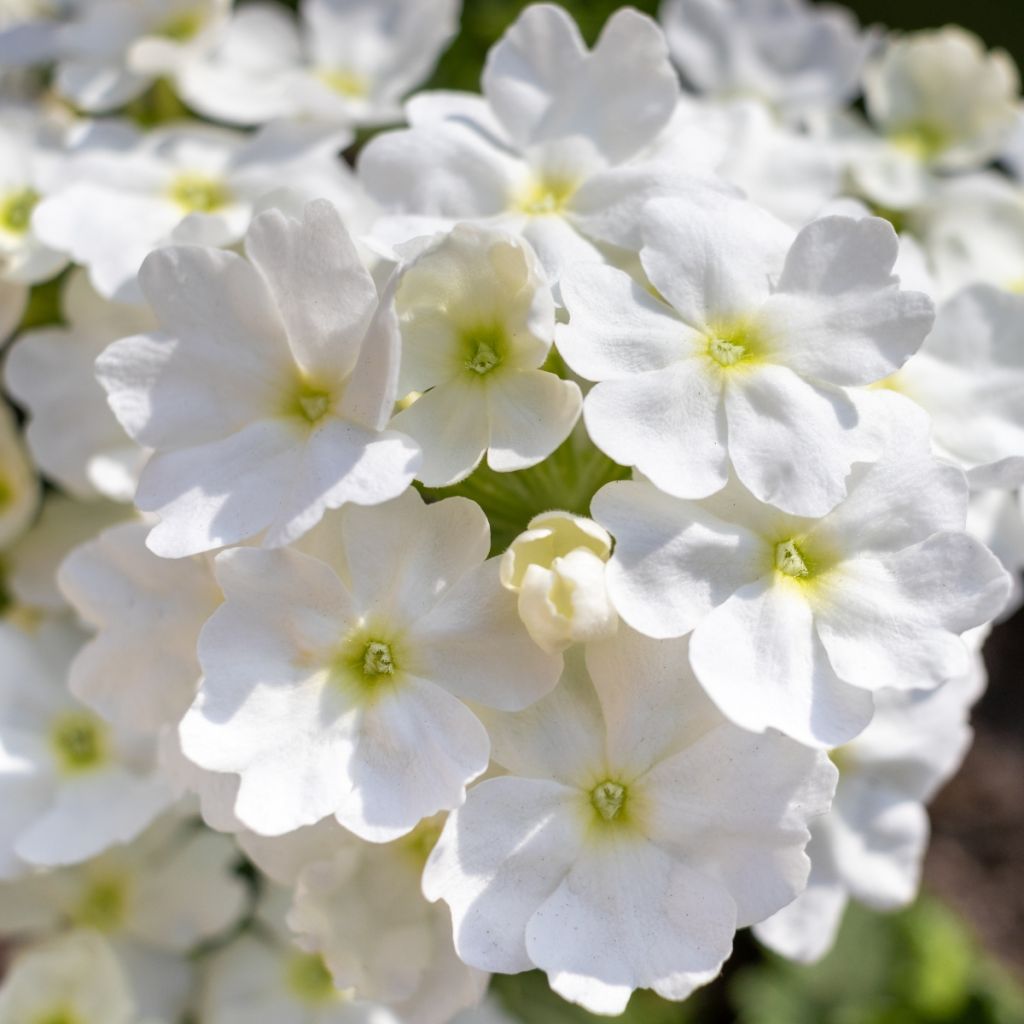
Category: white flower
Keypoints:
(971, 229)
(742, 357)
(871, 844)
(635, 832)
(154, 901)
(477, 322)
(110, 51)
(129, 193)
(28, 154)
(790, 173)
(798, 57)
(557, 569)
(360, 908)
(797, 621)
(334, 685)
(261, 978)
(72, 434)
(73, 978)
(969, 377)
(19, 486)
(30, 566)
(266, 390)
(350, 62)
(140, 671)
(943, 100)
(553, 151)
(70, 784)
(171, 889)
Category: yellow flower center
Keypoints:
(199, 193)
(546, 195)
(924, 140)
(346, 83)
(790, 561)
(726, 353)
(16, 210)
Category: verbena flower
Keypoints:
(635, 831)
(266, 391)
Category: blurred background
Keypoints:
(957, 956)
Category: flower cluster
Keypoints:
(556, 534)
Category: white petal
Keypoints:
(499, 857)
(221, 360)
(450, 424)
(761, 662)
(413, 755)
(737, 806)
(673, 562)
(897, 621)
(324, 295)
(714, 260)
(628, 916)
(792, 442)
(838, 314)
(879, 841)
(616, 327)
(402, 556)
(474, 644)
(531, 413)
(669, 423)
(559, 737)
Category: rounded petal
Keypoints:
(838, 313)
(760, 660)
(413, 755)
(450, 424)
(673, 561)
(714, 259)
(896, 622)
(499, 857)
(402, 556)
(649, 922)
(531, 412)
(474, 644)
(616, 327)
(791, 442)
(323, 293)
(670, 424)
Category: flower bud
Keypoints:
(558, 569)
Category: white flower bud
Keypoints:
(558, 569)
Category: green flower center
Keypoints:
(199, 193)
(16, 210)
(378, 659)
(484, 349)
(183, 26)
(58, 1016)
(309, 979)
(103, 906)
(608, 798)
(790, 560)
(79, 742)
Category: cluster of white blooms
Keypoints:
(556, 536)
